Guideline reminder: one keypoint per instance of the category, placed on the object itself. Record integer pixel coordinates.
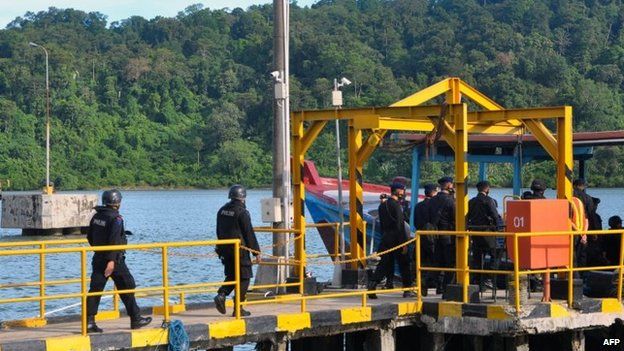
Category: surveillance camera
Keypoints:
(345, 81)
(276, 76)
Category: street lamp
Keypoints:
(48, 188)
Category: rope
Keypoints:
(178, 338)
(373, 255)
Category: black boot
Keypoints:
(219, 301)
(372, 286)
(409, 293)
(139, 322)
(91, 326)
(244, 313)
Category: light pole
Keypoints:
(337, 103)
(48, 188)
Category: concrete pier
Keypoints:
(389, 323)
(41, 214)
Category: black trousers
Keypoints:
(478, 257)
(227, 289)
(427, 255)
(123, 280)
(385, 268)
(445, 257)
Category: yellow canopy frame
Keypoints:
(409, 114)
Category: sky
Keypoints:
(121, 9)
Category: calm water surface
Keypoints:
(158, 216)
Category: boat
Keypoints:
(322, 203)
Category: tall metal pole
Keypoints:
(281, 128)
(48, 189)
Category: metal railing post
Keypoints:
(336, 242)
(619, 291)
(42, 279)
(571, 272)
(237, 287)
(418, 273)
(116, 300)
(516, 274)
(83, 289)
(165, 281)
(465, 267)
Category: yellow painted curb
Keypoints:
(72, 343)
(293, 322)
(355, 315)
(149, 337)
(221, 330)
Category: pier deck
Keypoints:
(279, 322)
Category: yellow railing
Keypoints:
(164, 289)
(44, 248)
(517, 272)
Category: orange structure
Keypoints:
(547, 215)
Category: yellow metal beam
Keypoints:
(356, 199)
(299, 219)
(461, 184)
(422, 125)
(565, 162)
(478, 97)
(518, 114)
(311, 134)
(425, 95)
(543, 136)
(369, 146)
(422, 113)
(448, 134)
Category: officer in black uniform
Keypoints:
(234, 222)
(442, 215)
(427, 243)
(483, 216)
(538, 187)
(393, 234)
(107, 228)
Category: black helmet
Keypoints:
(615, 221)
(111, 197)
(538, 185)
(237, 192)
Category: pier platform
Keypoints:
(388, 323)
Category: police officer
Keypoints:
(393, 234)
(538, 187)
(107, 228)
(612, 241)
(483, 216)
(234, 222)
(427, 244)
(442, 215)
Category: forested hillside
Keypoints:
(186, 101)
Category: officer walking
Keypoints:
(234, 222)
(483, 216)
(442, 215)
(422, 221)
(107, 228)
(393, 234)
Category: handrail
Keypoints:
(183, 289)
(165, 288)
(517, 272)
